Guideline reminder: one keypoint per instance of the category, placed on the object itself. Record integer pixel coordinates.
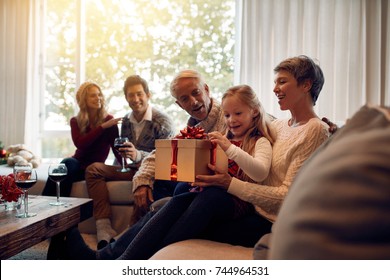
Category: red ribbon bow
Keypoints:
(187, 133)
(192, 133)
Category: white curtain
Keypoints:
(18, 106)
(35, 85)
(348, 38)
(13, 76)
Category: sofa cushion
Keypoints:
(198, 249)
(120, 192)
(338, 207)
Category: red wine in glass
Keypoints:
(118, 146)
(57, 173)
(120, 143)
(57, 177)
(26, 184)
(25, 178)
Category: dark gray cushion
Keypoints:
(338, 206)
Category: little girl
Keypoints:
(247, 142)
(248, 139)
(248, 128)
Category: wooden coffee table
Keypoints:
(18, 234)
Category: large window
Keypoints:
(108, 40)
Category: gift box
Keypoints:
(183, 159)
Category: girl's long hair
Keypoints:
(82, 117)
(261, 126)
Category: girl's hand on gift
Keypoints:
(219, 179)
(218, 138)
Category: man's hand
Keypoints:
(220, 179)
(129, 151)
(143, 197)
(332, 126)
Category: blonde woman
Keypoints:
(93, 133)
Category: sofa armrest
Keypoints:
(120, 192)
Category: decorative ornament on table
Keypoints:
(3, 154)
(10, 192)
(18, 153)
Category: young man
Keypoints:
(142, 126)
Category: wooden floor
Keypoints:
(39, 251)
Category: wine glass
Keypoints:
(120, 143)
(57, 173)
(25, 178)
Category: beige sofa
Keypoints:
(197, 249)
(121, 198)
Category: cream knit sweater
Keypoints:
(291, 148)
